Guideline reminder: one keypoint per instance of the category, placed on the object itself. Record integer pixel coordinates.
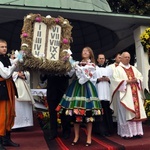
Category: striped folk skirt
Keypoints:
(81, 102)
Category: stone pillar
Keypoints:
(142, 57)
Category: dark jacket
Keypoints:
(55, 84)
(3, 88)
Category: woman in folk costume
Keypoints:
(127, 98)
(81, 100)
(24, 102)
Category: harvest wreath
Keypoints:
(44, 43)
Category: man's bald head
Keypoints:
(125, 58)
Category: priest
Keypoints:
(127, 98)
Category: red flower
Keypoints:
(58, 108)
(82, 112)
(40, 115)
(78, 118)
(90, 74)
(76, 111)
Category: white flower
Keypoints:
(19, 55)
(48, 16)
(65, 22)
(25, 45)
(91, 119)
(67, 112)
(36, 56)
(68, 51)
(28, 16)
(70, 112)
(42, 55)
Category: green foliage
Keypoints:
(145, 41)
(139, 7)
(147, 94)
(147, 103)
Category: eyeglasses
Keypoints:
(3, 46)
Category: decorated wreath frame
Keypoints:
(62, 65)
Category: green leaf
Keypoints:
(147, 94)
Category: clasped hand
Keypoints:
(104, 78)
(134, 80)
(21, 75)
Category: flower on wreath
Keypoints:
(145, 40)
(60, 66)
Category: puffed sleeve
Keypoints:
(86, 73)
(6, 72)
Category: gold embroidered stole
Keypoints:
(134, 88)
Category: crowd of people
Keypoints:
(117, 89)
(102, 92)
(98, 93)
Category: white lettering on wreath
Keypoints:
(39, 39)
(53, 45)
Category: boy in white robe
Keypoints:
(103, 72)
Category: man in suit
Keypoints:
(56, 87)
